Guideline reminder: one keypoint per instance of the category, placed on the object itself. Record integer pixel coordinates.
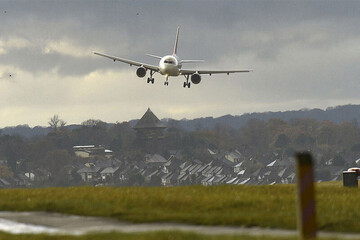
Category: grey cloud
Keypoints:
(300, 51)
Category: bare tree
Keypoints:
(56, 123)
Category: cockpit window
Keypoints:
(169, 61)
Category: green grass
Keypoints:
(171, 235)
(264, 206)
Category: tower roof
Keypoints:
(149, 120)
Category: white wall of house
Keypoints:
(82, 154)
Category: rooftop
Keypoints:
(149, 120)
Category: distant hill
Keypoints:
(25, 131)
(337, 114)
(28, 132)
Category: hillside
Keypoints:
(337, 114)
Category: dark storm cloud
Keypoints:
(210, 29)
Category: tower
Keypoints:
(150, 132)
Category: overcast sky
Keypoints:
(304, 54)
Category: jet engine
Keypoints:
(141, 72)
(195, 78)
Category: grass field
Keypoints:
(143, 236)
(264, 206)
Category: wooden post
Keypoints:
(306, 221)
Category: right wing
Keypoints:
(131, 62)
(191, 61)
(188, 72)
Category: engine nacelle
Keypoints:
(195, 78)
(141, 72)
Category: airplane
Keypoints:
(170, 65)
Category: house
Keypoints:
(357, 162)
(172, 164)
(4, 183)
(220, 179)
(186, 178)
(336, 172)
(212, 152)
(287, 175)
(170, 179)
(233, 156)
(238, 167)
(176, 153)
(253, 181)
(154, 159)
(22, 180)
(244, 181)
(42, 174)
(271, 175)
(91, 151)
(110, 173)
(90, 174)
(128, 172)
(30, 176)
(280, 163)
(207, 181)
(149, 174)
(109, 153)
(232, 180)
(212, 171)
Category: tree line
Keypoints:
(257, 139)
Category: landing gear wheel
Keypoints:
(188, 85)
(150, 80)
(185, 84)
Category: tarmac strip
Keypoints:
(55, 223)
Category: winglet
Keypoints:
(176, 41)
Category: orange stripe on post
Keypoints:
(306, 198)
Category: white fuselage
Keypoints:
(170, 65)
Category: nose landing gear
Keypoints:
(166, 83)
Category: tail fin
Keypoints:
(176, 41)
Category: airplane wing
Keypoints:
(188, 72)
(131, 62)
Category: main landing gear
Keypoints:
(151, 79)
(187, 83)
(166, 83)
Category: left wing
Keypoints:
(188, 72)
(130, 62)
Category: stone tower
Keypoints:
(150, 132)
